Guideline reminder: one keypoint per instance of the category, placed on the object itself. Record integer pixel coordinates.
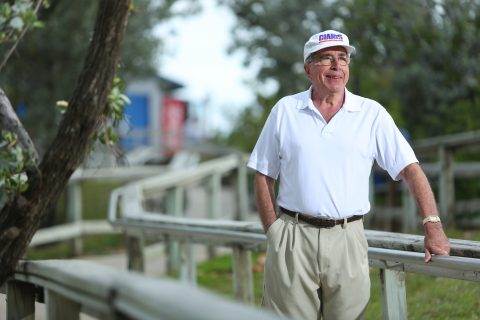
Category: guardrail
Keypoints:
(243, 237)
(69, 231)
(68, 288)
(442, 174)
(445, 148)
(133, 197)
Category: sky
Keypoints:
(196, 56)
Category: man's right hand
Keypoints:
(266, 227)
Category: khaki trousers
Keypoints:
(316, 273)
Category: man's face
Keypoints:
(328, 69)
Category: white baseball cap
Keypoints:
(326, 39)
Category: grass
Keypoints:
(92, 245)
(427, 297)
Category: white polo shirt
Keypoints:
(324, 168)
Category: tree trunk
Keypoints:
(20, 218)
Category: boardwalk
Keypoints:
(155, 265)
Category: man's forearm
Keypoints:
(420, 189)
(436, 241)
(265, 199)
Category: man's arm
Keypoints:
(265, 199)
(436, 241)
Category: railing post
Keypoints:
(446, 185)
(188, 269)
(214, 203)
(20, 300)
(242, 274)
(59, 307)
(242, 190)
(371, 197)
(74, 212)
(175, 200)
(394, 298)
(409, 216)
(135, 252)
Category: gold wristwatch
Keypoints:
(431, 219)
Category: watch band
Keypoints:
(431, 219)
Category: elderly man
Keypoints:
(321, 144)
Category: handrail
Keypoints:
(452, 140)
(251, 234)
(186, 176)
(246, 236)
(69, 231)
(79, 286)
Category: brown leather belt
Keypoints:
(318, 222)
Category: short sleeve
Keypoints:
(265, 157)
(393, 153)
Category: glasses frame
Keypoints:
(316, 59)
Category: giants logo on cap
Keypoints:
(330, 37)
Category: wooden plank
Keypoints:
(186, 177)
(115, 174)
(446, 185)
(175, 201)
(188, 269)
(394, 297)
(59, 307)
(242, 274)
(107, 293)
(74, 213)
(452, 140)
(214, 204)
(467, 206)
(135, 245)
(20, 300)
(409, 217)
(71, 230)
(227, 231)
(414, 243)
(242, 190)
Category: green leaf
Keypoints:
(16, 23)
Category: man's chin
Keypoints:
(336, 89)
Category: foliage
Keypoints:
(114, 113)
(13, 163)
(418, 58)
(45, 66)
(14, 18)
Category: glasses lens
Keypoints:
(343, 61)
(328, 60)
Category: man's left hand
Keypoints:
(436, 242)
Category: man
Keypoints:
(321, 144)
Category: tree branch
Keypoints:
(14, 46)
(9, 121)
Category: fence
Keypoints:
(134, 196)
(444, 172)
(243, 237)
(127, 212)
(68, 288)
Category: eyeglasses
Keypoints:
(327, 60)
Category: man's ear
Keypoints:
(306, 67)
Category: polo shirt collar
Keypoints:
(351, 103)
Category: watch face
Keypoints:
(431, 219)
